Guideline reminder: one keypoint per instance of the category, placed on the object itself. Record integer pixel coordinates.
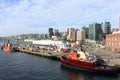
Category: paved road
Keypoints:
(113, 57)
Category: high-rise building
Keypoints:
(50, 32)
(86, 29)
(95, 32)
(56, 32)
(81, 35)
(106, 27)
(71, 34)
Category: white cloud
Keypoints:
(31, 15)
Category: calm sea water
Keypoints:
(22, 66)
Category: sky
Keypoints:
(36, 16)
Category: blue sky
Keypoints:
(36, 16)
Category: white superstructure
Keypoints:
(47, 42)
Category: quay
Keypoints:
(55, 56)
(51, 54)
(55, 49)
(111, 57)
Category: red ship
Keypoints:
(6, 47)
(78, 60)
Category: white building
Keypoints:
(29, 40)
(81, 35)
(47, 42)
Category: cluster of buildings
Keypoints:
(95, 32)
(54, 34)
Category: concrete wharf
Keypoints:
(42, 53)
(51, 54)
(113, 57)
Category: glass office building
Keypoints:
(95, 32)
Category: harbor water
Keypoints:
(22, 66)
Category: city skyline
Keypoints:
(36, 16)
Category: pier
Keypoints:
(51, 54)
(43, 53)
(111, 57)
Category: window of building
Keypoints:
(115, 44)
(112, 44)
(107, 44)
(119, 44)
(115, 39)
(112, 39)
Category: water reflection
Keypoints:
(75, 75)
(7, 57)
(7, 53)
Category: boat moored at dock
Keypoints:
(80, 61)
(6, 47)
